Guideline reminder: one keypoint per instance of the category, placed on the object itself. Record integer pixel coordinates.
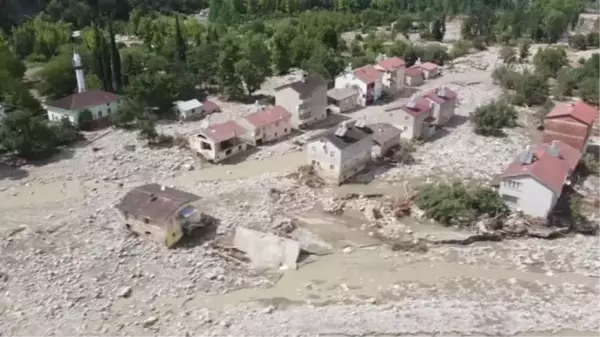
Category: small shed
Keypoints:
(189, 109)
(160, 213)
(343, 99)
(413, 76)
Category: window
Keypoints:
(406, 117)
(239, 147)
(331, 167)
(108, 111)
(285, 130)
(275, 134)
(332, 154)
(107, 104)
(147, 233)
(100, 113)
(510, 199)
(515, 185)
(146, 220)
(277, 124)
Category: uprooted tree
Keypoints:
(457, 204)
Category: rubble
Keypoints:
(307, 176)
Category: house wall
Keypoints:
(326, 159)
(190, 114)
(316, 105)
(166, 234)
(534, 198)
(412, 126)
(349, 80)
(355, 157)
(274, 131)
(98, 112)
(443, 112)
(414, 81)
(215, 153)
(346, 104)
(431, 74)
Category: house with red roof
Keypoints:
(414, 76)
(100, 103)
(415, 119)
(368, 81)
(444, 103)
(393, 73)
(534, 181)
(430, 69)
(219, 141)
(266, 124)
(571, 123)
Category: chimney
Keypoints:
(341, 130)
(441, 91)
(418, 62)
(553, 149)
(526, 157)
(78, 72)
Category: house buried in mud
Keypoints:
(161, 213)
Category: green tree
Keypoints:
(524, 50)
(115, 58)
(226, 75)
(589, 91)
(201, 61)
(254, 64)
(507, 54)
(280, 48)
(180, 42)
(27, 135)
(555, 24)
(438, 29)
(578, 41)
(530, 90)
(548, 61)
(153, 90)
(65, 132)
(57, 78)
(10, 63)
(593, 39)
(492, 118)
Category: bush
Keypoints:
(548, 61)
(456, 204)
(490, 119)
(592, 165)
(578, 41)
(589, 90)
(65, 132)
(524, 50)
(507, 54)
(460, 48)
(530, 90)
(593, 39)
(479, 43)
(84, 120)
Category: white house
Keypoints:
(533, 182)
(341, 152)
(367, 79)
(100, 103)
(189, 109)
(393, 69)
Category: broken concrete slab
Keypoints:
(311, 242)
(265, 250)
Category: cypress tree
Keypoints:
(106, 64)
(115, 58)
(98, 57)
(180, 43)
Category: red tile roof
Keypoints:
(429, 66)
(413, 71)
(84, 100)
(547, 169)
(434, 95)
(576, 142)
(223, 131)
(421, 106)
(210, 106)
(367, 74)
(392, 63)
(580, 111)
(268, 116)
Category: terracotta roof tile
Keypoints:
(413, 71)
(210, 106)
(547, 169)
(368, 74)
(580, 111)
(421, 106)
(268, 116)
(84, 100)
(434, 94)
(223, 131)
(574, 141)
(392, 63)
(429, 66)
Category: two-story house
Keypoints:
(415, 119)
(430, 69)
(305, 99)
(393, 73)
(444, 103)
(367, 79)
(266, 125)
(341, 152)
(534, 181)
(571, 123)
(219, 141)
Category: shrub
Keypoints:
(479, 43)
(593, 39)
(461, 48)
(548, 61)
(65, 132)
(490, 119)
(578, 41)
(451, 204)
(530, 90)
(84, 120)
(507, 54)
(591, 163)
(524, 50)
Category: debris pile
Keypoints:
(307, 176)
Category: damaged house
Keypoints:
(534, 181)
(160, 213)
(219, 141)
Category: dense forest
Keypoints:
(242, 42)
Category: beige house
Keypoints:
(385, 136)
(160, 213)
(393, 73)
(444, 103)
(430, 69)
(341, 152)
(342, 100)
(266, 125)
(220, 141)
(413, 76)
(415, 119)
(305, 99)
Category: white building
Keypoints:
(189, 109)
(534, 181)
(393, 69)
(341, 152)
(100, 103)
(367, 79)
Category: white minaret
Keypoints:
(78, 72)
